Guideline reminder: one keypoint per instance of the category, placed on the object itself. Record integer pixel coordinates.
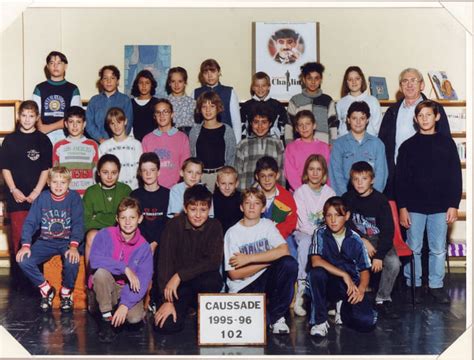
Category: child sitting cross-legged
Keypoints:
(340, 271)
(257, 260)
(122, 266)
(372, 219)
(58, 212)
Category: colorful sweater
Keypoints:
(80, 156)
(172, 148)
(296, 154)
(111, 252)
(128, 151)
(100, 205)
(282, 211)
(250, 150)
(61, 220)
(310, 207)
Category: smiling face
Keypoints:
(354, 82)
(118, 127)
(209, 111)
(144, 86)
(128, 221)
(56, 68)
(75, 126)
(58, 184)
(28, 119)
(312, 81)
(426, 120)
(252, 207)
(109, 81)
(362, 183)
(335, 221)
(108, 174)
(197, 213)
(358, 122)
(305, 127)
(315, 174)
(177, 84)
(149, 173)
(163, 116)
(260, 125)
(211, 76)
(191, 174)
(267, 180)
(261, 88)
(227, 183)
(411, 85)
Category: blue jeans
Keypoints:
(437, 229)
(42, 251)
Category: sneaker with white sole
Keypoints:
(67, 304)
(280, 327)
(320, 329)
(47, 301)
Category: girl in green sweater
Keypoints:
(101, 200)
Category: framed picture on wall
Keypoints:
(156, 58)
(280, 49)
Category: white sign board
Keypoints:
(231, 319)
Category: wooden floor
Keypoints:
(428, 329)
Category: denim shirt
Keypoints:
(347, 150)
(97, 111)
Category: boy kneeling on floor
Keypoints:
(123, 266)
(340, 272)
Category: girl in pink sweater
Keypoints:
(298, 151)
(310, 198)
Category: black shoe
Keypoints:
(386, 311)
(47, 301)
(418, 295)
(66, 303)
(106, 333)
(440, 295)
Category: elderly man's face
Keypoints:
(411, 86)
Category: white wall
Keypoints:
(381, 41)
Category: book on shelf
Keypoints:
(442, 85)
(378, 87)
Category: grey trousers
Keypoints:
(107, 294)
(391, 268)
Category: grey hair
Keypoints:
(407, 70)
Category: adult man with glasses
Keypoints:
(398, 125)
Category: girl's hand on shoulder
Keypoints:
(451, 215)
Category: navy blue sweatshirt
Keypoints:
(428, 177)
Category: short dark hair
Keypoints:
(263, 110)
(310, 67)
(147, 75)
(175, 70)
(112, 68)
(266, 163)
(28, 105)
(304, 113)
(56, 54)
(359, 106)
(362, 167)
(75, 111)
(144, 158)
(108, 158)
(192, 160)
(197, 194)
(285, 33)
(427, 104)
(338, 203)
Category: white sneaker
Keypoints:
(338, 319)
(298, 306)
(320, 329)
(280, 327)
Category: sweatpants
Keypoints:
(42, 251)
(278, 283)
(208, 282)
(323, 287)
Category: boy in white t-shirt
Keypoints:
(257, 260)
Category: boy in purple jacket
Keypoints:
(123, 265)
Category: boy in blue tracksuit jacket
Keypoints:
(59, 213)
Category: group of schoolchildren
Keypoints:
(204, 192)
